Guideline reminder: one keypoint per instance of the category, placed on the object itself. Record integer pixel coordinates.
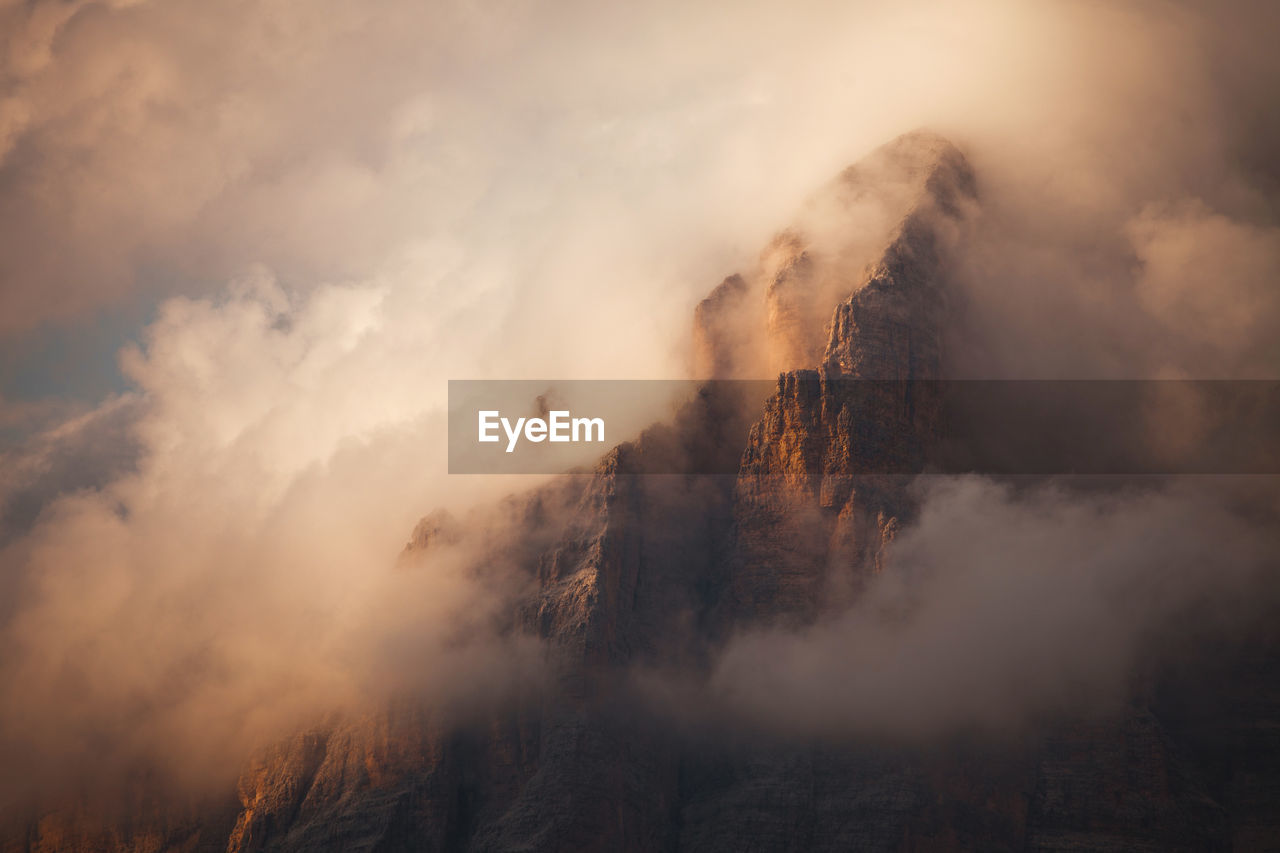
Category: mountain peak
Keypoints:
(882, 225)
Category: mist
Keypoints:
(1008, 605)
(332, 210)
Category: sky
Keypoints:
(511, 163)
(244, 245)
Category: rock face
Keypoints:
(857, 281)
(809, 519)
(633, 572)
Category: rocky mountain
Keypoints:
(631, 573)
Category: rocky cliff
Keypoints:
(632, 572)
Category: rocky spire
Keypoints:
(855, 282)
(812, 517)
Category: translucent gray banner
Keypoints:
(836, 425)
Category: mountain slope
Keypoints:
(631, 573)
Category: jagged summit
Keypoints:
(622, 572)
(921, 160)
(626, 571)
(879, 226)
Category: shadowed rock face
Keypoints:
(809, 523)
(630, 571)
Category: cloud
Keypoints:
(1001, 607)
(337, 207)
(581, 150)
(86, 451)
(233, 576)
(1211, 280)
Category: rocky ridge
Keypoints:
(629, 571)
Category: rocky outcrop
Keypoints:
(812, 516)
(720, 325)
(648, 571)
(856, 281)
